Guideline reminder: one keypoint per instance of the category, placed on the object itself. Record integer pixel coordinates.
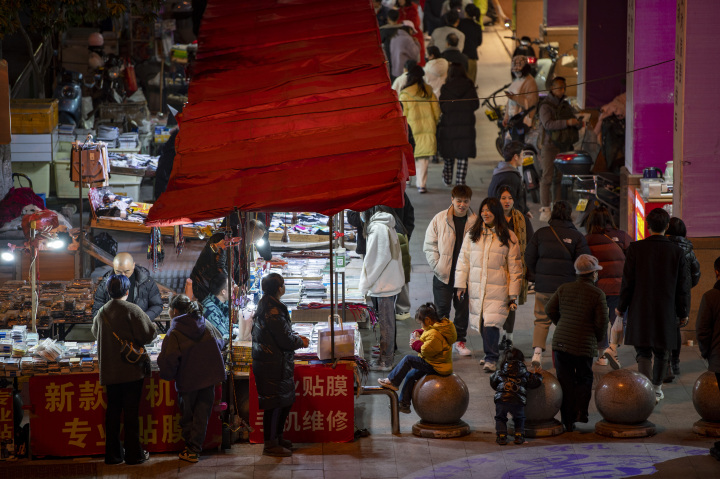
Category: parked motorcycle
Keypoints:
(517, 130)
(69, 94)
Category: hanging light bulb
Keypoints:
(56, 244)
(8, 256)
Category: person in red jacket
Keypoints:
(608, 244)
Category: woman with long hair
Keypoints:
(523, 229)
(422, 111)
(489, 269)
(456, 131)
(608, 244)
(273, 351)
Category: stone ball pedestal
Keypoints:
(440, 401)
(625, 400)
(706, 398)
(543, 404)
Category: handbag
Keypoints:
(128, 352)
(344, 341)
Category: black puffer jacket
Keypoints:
(579, 311)
(551, 262)
(512, 381)
(273, 346)
(211, 263)
(456, 131)
(146, 293)
(692, 266)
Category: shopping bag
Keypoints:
(94, 165)
(617, 332)
(344, 341)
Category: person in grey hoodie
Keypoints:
(507, 174)
(191, 356)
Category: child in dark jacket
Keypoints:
(434, 343)
(511, 382)
(191, 356)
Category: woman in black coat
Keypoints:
(273, 350)
(456, 131)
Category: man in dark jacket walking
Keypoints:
(191, 356)
(550, 257)
(580, 312)
(707, 327)
(654, 293)
(507, 173)
(143, 290)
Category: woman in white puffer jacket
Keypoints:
(489, 269)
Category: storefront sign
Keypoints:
(68, 417)
(323, 410)
(7, 432)
(639, 217)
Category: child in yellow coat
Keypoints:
(434, 343)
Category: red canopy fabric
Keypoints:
(290, 109)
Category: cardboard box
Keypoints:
(29, 116)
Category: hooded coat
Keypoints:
(191, 354)
(382, 273)
(440, 242)
(492, 274)
(551, 261)
(708, 328)
(273, 349)
(437, 344)
(456, 131)
(130, 323)
(423, 114)
(506, 174)
(146, 293)
(512, 381)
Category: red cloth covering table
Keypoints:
(68, 416)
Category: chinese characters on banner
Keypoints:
(69, 416)
(7, 432)
(323, 410)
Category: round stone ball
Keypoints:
(544, 402)
(625, 397)
(706, 397)
(440, 399)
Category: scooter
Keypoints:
(69, 94)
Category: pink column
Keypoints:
(651, 39)
(697, 104)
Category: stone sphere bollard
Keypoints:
(706, 398)
(440, 401)
(543, 404)
(625, 399)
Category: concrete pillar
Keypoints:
(601, 51)
(528, 19)
(696, 154)
(649, 124)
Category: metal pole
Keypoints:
(332, 290)
(231, 383)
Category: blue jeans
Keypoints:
(491, 337)
(411, 368)
(518, 414)
(196, 407)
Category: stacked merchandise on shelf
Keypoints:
(241, 356)
(305, 224)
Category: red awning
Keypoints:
(290, 109)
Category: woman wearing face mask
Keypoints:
(523, 229)
(522, 93)
(580, 313)
(489, 269)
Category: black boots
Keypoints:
(274, 449)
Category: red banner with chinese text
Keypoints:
(68, 416)
(324, 406)
(7, 426)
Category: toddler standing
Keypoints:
(511, 382)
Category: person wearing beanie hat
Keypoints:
(580, 314)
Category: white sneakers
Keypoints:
(612, 357)
(659, 395)
(545, 214)
(601, 361)
(462, 349)
(402, 316)
(489, 367)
